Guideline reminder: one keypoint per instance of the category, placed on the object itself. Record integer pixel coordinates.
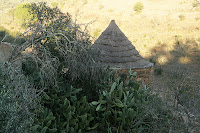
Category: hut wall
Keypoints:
(145, 74)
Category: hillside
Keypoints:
(165, 32)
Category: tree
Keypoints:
(25, 14)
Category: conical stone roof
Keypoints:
(116, 51)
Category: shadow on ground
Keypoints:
(11, 37)
(177, 77)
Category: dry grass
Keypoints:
(158, 24)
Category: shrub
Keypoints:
(158, 71)
(64, 111)
(197, 18)
(182, 17)
(138, 7)
(129, 108)
(25, 14)
(183, 99)
(96, 33)
(17, 99)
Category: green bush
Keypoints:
(64, 111)
(129, 108)
(138, 7)
(25, 14)
(16, 100)
(96, 33)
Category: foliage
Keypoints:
(63, 111)
(129, 108)
(55, 57)
(24, 14)
(96, 33)
(16, 100)
(182, 17)
(138, 7)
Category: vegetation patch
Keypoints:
(138, 7)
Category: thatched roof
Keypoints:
(116, 51)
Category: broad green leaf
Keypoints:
(117, 100)
(92, 128)
(50, 116)
(34, 128)
(120, 105)
(48, 123)
(120, 86)
(44, 130)
(95, 103)
(90, 118)
(113, 87)
(117, 80)
(98, 107)
(54, 130)
(103, 109)
(65, 101)
(46, 96)
(120, 93)
(76, 90)
(104, 93)
(103, 101)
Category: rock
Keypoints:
(5, 51)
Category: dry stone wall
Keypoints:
(145, 74)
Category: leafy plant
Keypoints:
(63, 111)
(17, 99)
(96, 33)
(138, 7)
(24, 14)
(125, 107)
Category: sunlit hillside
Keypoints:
(157, 26)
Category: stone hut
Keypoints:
(117, 52)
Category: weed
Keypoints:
(153, 60)
(158, 70)
(197, 18)
(96, 33)
(138, 7)
(181, 17)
